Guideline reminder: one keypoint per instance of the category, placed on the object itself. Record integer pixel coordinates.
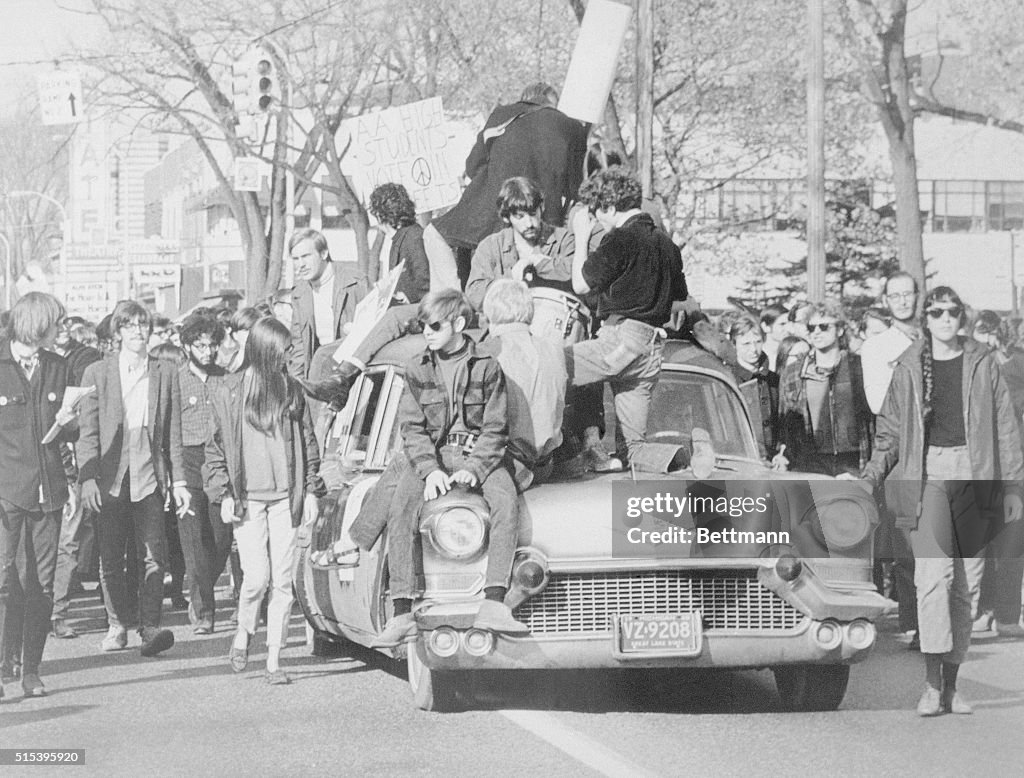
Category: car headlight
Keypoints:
(846, 520)
(459, 533)
(456, 524)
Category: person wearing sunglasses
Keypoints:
(824, 417)
(454, 421)
(948, 443)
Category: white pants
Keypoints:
(266, 542)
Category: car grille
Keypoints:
(585, 602)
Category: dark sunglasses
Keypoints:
(435, 325)
(936, 313)
(822, 327)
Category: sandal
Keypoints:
(335, 560)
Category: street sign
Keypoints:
(60, 97)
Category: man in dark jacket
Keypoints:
(129, 458)
(529, 138)
(33, 487)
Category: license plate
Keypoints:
(674, 634)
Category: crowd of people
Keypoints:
(201, 441)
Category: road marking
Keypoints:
(590, 752)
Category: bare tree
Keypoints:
(33, 159)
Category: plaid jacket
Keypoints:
(425, 420)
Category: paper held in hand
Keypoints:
(73, 397)
(369, 311)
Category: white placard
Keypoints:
(412, 145)
(368, 312)
(592, 68)
(248, 174)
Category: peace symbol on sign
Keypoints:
(421, 172)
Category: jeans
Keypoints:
(121, 522)
(628, 355)
(499, 491)
(26, 579)
(266, 545)
(75, 532)
(206, 544)
(949, 511)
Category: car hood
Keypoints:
(574, 520)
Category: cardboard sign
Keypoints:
(592, 67)
(410, 145)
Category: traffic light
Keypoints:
(265, 85)
(255, 84)
(241, 76)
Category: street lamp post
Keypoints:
(61, 257)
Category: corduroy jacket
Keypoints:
(426, 421)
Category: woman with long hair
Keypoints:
(950, 446)
(262, 465)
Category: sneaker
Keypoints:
(496, 616)
(983, 623)
(398, 630)
(116, 639)
(155, 640)
(930, 703)
(32, 684)
(178, 603)
(1009, 630)
(202, 629)
(63, 630)
(954, 703)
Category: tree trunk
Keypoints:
(908, 206)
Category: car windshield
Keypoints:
(683, 401)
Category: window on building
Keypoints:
(958, 206)
(302, 215)
(332, 217)
(1005, 205)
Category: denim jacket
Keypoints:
(426, 422)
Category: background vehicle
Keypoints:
(592, 599)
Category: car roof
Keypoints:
(678, 353)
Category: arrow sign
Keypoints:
(60, 97)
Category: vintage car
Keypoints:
(803, 605)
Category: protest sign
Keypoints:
(412, 145)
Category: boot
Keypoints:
(335, 387)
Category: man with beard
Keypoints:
(205, 539)
(526, 246)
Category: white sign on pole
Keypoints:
(248, 174)
(60, 97)
(593, 63)
(411, 145)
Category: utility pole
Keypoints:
(816, 151)
(645, 96)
